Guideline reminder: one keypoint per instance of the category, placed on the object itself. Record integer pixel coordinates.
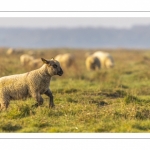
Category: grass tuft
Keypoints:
(131, 99)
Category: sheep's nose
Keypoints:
(60, 72)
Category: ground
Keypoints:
(109, 100)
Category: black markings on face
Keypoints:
(54, 66)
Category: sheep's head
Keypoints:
(109, 62)
(53, 67)
(93, 63)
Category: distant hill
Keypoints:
(136, 37)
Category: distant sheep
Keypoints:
(66, 60)
(30, 84)
(25, 59)
(35, 63)
(12, 51)
(105, 58)
(92, 63)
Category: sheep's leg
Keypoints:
(50, 95)
(4, 105)
(39, 100)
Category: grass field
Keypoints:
(109, 100)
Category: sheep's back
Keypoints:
(13, 86)
(105, 58)
(35, 63)
(58, 57)
(25, 59)
(66, 59)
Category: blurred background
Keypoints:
(75, 32)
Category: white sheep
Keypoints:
(25, 59)
(66, 60)
(10, 51)
(35, 63)
(92, 63)
(30, 84)
(105, 58)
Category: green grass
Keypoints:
(110, 100)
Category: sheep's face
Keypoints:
(93, 63)
(109, 63)
(53, 67)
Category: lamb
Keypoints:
(92, 63)
(66, 60)
(106, 59)
(30, 84)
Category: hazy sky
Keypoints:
(43, 22)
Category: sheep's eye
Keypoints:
(55, 66)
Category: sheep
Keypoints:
(30, 84)
(25, 59)
(10, 51)
(66, 60)
(92, 63)
(105, 58)
(35, 63)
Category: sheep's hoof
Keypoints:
(52, 106)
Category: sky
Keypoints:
(72, 22)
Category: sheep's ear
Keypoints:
(45, 61)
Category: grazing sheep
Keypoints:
(92, 63)
(25, 59)
(30, 84)
(10, 51)
(66, 60)
(105, 58)
(35, 63)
